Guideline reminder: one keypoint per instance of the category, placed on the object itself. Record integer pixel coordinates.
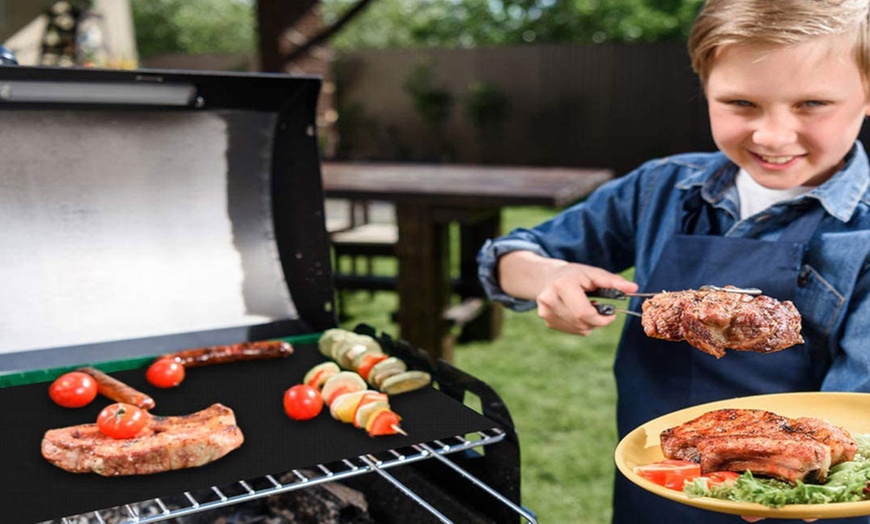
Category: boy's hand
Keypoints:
(562, 301)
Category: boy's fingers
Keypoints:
(599, 278)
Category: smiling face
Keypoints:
(787, 114)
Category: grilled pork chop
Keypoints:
(167, 443)
(762, 442)
(714, 320)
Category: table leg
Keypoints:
(424, 280)
(487, 325)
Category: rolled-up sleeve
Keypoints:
(599, 231)
(487, 264)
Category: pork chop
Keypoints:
(167, 443)
(715, 320)
(762, 442)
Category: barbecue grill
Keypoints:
(147, 212)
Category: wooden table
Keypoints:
(428, 198)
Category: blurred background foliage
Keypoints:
(471, 23)
(214, 26)
(194, 26)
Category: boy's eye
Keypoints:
(740, 103)
(813, 103)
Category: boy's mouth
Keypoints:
(778, 160)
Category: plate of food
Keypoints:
(808, 455)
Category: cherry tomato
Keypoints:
(669, 473)
(122, 421)
(73, 390)
(165, 373)
(302, 402)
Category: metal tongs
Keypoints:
(615, 294)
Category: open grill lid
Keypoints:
(146, 211)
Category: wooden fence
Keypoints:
(570, 105)
(603, 105)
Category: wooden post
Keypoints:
(423, 284)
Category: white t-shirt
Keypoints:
(755, 198)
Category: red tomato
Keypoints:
(669, 473)
(367, 362)
(73, 390)
(383, 422)
(122, 421)
(165, 373)
(302, 402)
(718, 478)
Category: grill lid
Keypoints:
(176, 209)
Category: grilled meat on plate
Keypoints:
(714, 320)
(167, 443)
(762, 442)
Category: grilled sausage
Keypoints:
(190, 358)
(118, 391)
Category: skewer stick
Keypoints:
(399, 430)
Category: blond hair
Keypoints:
(778, 22)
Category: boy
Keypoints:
(784, 206)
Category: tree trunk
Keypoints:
(274, 17)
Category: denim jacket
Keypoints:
(626, 223)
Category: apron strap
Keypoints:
(697, 218)
(801, 229)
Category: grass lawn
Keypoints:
(560, 392)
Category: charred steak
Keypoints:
(167, 443)
(714, 320)
(762, 442)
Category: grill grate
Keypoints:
(188, 503)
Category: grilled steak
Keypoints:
(167, 443)
(843, 446)
(714, 320)
(762, 442)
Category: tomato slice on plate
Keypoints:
(669, 473)
(719, 478)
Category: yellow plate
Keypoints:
(848, 410)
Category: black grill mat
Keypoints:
(33, 490)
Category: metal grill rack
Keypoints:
(188, 503)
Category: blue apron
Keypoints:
(656, 377)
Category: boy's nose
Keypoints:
(774, 131)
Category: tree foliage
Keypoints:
(214, 26)
(194, 26)
(470, 23)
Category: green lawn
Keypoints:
(560, 392)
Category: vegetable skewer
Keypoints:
(350, 401)
(364, 355)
